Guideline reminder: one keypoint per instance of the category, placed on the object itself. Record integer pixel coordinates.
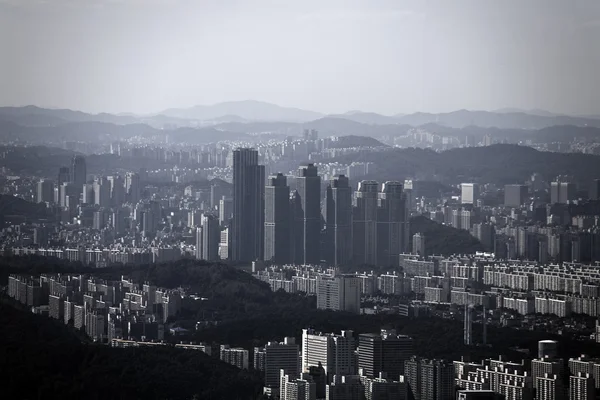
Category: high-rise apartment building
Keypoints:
(102, 192)
(296, 388)
(45, 191)
(248, 206)
(515, 195)
(234, 356)
(339, 221)
(279, 356)
(595, 190)
(307, 218)
(78, 172)
(64, 176)
(335, 353)
(133, 187)
(364, 224)
(392, 225)
(581, 387)
(383, 352)
(549, 387)
(208, 237)
(418, 244)
(339, 293)
(277, 220)
(429, 379)
(469, 193)
(562, 192)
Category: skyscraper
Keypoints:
(339, 293)
(562, 192)
(308, 220)
(277, 220)
(132, 187)
(418, 244)
(101, 192)
(335, 353)
(78, 172)
(383, 352)
(211, 236)
(392, 225)
(514, 195)
(339, 221)
(64, 176)
(364, 224)
(248, 206)
(469, 193)
(117, 190)
(45, 191)
(595, 190)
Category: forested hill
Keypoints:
(499, 164)
(42, 358)
(444, 240)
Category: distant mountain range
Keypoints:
(253, 116)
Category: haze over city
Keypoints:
(385, 56)
(300, 200)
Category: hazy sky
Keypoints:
(325, 55)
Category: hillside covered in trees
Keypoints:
(442, 239)
(499, 164)
(42, 358)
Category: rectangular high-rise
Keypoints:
(392, 224)
(469, 193)
(280, 356)
(339, 221)
(307, 222)
(515, 195)
(562, 192)
(595, 190)
(208, 237)
(45, 191)
(248, 206)
(383, 352)
(78, 172)
(364, 223)
(335, 353)
(339, 293)
(277, 220)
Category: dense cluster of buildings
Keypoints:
(106, 310)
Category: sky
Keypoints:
(331, 56)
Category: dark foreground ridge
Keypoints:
(42, 358)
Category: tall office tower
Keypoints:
(308, 220)
(117, 190)
(102, 192)
(335, 353)
(347, 388)
(418, 244)
(79, 172)
(595, 190)
(279, 356)
(339, 293)
(469, 193)
(339, 221)
(119, 220)
(515, 195)
(392, 225)
(248, 206)
(210, 235)
(384, 352)
(64, 176)
(562, 192)
(45, 191)
(437, 380)
(364, 223)
(277, 220)
(468, 328)
(40, 235)
(133, 187)
(67, 195)
(581, 387)
(225, 210)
